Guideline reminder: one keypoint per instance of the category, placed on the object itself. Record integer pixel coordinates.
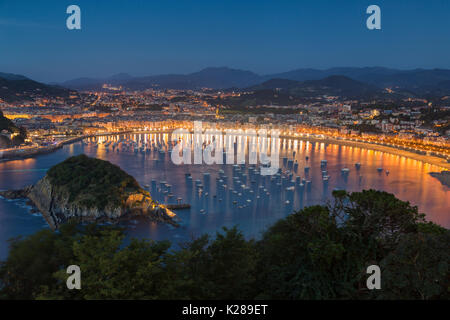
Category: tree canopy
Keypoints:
(319, 252)
(93, 182)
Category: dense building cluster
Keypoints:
(414, 123)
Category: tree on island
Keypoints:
(319, 252)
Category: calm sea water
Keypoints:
(238, 196)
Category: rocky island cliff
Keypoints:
(89, 189)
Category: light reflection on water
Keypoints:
(253, 208)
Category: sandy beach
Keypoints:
(437, 161)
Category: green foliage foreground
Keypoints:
(320, 252)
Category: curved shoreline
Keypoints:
(433, 160)
(18, 154)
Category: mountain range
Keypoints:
(15, 87)
(331, 86)
(352, 82)
(419, 81)
(215, 78)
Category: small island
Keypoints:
(90, 189)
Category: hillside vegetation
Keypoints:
(93, 182)
(319, 252)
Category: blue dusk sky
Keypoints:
(181, 36)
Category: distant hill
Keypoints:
(86, 83)
(259, 97)
(444, 86)
(439, 90)
(215, 78)
(417, 81)
(17, 88)
(361, 74)
(368, 83)
(11, 76)
(414, 80)
(223, 78)
(284, 92)
(120, 77)
(331, 86)
(276, 83)
(83, 84)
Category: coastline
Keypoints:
(18, 154)
(443, 177)
(430, 159)
(433, 160)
